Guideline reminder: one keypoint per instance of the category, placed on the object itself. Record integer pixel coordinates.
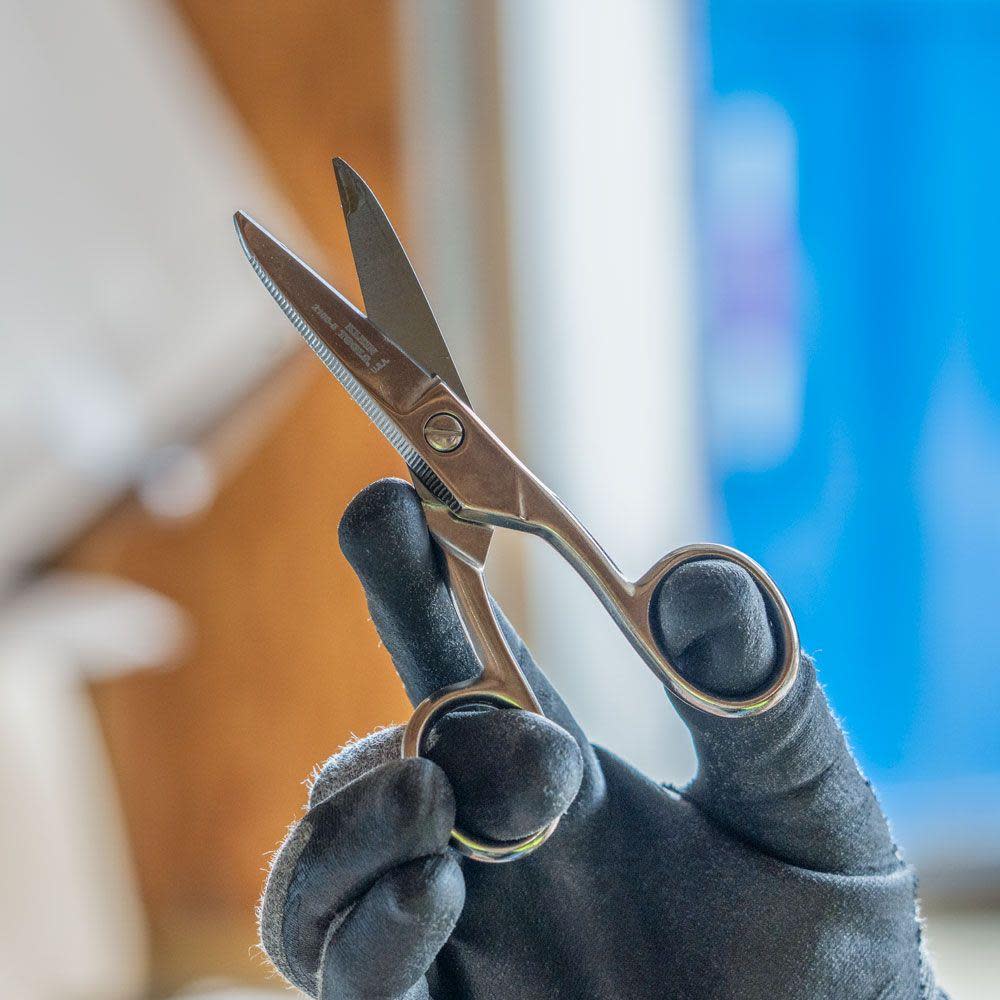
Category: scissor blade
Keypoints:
(374, 370)
(394, 300)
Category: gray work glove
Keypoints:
(772, 875)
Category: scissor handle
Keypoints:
(501, 684)
(530, 506)
(539, 511)
(630, 603)
(642, 631)
(488, 484)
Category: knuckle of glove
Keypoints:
(513, 772)
(357, 758)
(400, 810)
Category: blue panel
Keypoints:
(849, 164)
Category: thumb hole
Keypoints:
(718, 627)
(512, 772)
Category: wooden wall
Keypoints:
(284, 667)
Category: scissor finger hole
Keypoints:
(422, 736)
(712, 631)
(433, 733)
(698, 668)
(472, 703)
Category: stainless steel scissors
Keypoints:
(396, 366)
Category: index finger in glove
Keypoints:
(384, 536)
(785, 780)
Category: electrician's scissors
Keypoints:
(394, 363)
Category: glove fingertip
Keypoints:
(713, 624)
(513, 772)
(384, 523)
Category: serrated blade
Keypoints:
(394, 300)
(369, 365)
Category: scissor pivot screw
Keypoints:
(444, 432)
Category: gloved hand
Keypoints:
(772, 875)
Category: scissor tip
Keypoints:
(351, 186)
(246, 231)
(343, 169)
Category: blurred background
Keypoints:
(793, 202)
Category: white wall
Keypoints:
(547, 162)
(598, 146)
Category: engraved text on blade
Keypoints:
(362, 348)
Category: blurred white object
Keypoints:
(129, 324)
(178, 481)
(71, 924)
(128, 317)
(964, 952)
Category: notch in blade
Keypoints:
(369, 365)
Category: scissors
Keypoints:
(394, 363)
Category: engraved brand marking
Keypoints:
(356, 349)
(324, 316)
(361, 347)
(361, 338)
